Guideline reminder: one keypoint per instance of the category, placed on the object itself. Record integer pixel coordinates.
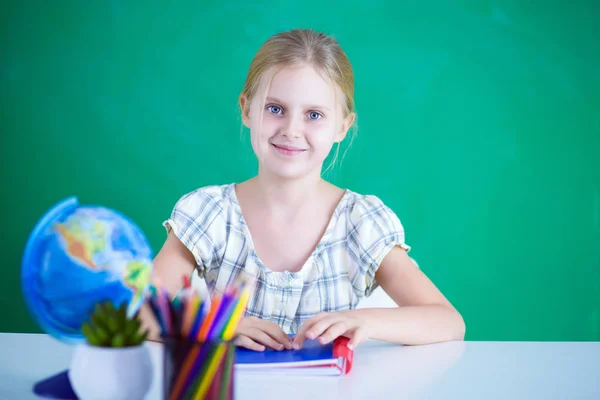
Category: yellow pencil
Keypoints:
(232, 324)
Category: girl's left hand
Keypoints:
(325, 327)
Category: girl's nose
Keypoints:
(292, 127)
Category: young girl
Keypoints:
(314, 250)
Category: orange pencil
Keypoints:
(208, 321)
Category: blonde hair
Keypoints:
(300, 47)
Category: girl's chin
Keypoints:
(287, 170)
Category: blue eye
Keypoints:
(274, 109)
(314, 115)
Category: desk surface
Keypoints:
(456, 370)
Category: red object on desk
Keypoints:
(341, 349)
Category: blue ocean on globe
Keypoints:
(77, 256)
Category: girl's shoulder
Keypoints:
(206, 194)
(201, 218)
(205, 211)
(366, 229)
(206, 200)
(357, 206)
(366, 218)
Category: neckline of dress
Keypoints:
(320, 244)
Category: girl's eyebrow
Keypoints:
(275, 100)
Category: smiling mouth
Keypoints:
(288, 150)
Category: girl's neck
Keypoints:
(286, 196)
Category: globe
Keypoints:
(77, 256)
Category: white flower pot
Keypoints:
(105, 373)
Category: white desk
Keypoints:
(458, 370)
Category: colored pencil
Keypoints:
(200, 331)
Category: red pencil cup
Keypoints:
(198, 370)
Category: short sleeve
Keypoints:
(373, 230)
(197, 219)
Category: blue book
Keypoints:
(312, 359)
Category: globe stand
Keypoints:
(57, 387)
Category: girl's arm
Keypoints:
(424, 315)
(172, 262)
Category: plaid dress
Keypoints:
(339, 272)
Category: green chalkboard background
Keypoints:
(479, 124)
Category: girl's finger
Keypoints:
(263, 338)
(321, 326)
(275, 331)
(245, 341)
(358, 336)
(300, 337)
(335, 330)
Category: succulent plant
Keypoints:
(109, 327)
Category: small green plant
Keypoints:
(109, 327)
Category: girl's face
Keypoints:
(300, 121)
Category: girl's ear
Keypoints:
(346, 124)
(245, 108)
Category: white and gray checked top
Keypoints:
(339, 272)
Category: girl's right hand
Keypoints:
(254, 333)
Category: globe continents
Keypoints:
(77, 256)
